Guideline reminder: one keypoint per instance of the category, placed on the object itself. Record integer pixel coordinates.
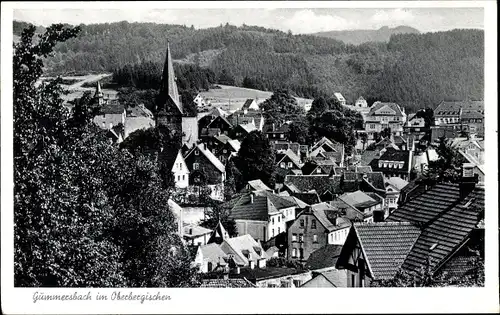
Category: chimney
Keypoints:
(468, 180)
(252, 264)
(251, 198)
(274, 128)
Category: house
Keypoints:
(433, 229)
(263, 214)
(196, 235)
(414, 124)
(110, 115)
(277, 133)
(315, 226)
(250, 117)
(217, 111)
(137, 118)
(361, 102)
(221, 123)
(283, 146)
(274, 277)
(339, 97)
(384, 115)
(324, 258)
(446, 131)
(180, 170)
(205, 169)
(370, 204)
(226, 283)
(169, 107)
(450, 112)
(327, 279)
(256, 185)
(394, 163)
(472, 122)
(116, 134)
(199, 101)
(288, 160)
(393, 187)
(327, 148)
(228, 149)
(216, 142)
(472, 148)
(319, 166)
(244, 251)
(241, 131)
(250, 104)
(210, 258)
(375, 251)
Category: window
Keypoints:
(272, 232)
(301, 238)
(196, 166)
(180, 166)
(282, 165)
(183, 177)
(196, 152)
(318, 170)
(279, 217)
(178, 177)
(290, 164)
(282, 136)
(294, 237)
(225, 151)
(272, 220)
(301, 223)
(315, 238)
(294, 252)
(313, 223)
(372, 126)
(279, 230)
(301, 253)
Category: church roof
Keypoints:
(168, 84)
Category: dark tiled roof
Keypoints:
(445, 219)
(319, 183)
(226, 283)
(324, 257)
(471, 114)
(453, 107)
(386, 245)
(247, 103)
(367, 157)
(308, 197)
(114, 108)
(264, 203)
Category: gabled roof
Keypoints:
(213, 253)
(359, 199)
(291, 155)
(385, 245)
(247, 103)
(226, 283)
(397, 182)
(454, 107)
(248, 127)
(257, 184)
(112, 109)
(324, 257)
(224, 119)
(305, 183)
(210, 156)
(378, 105)
(361, 98)
(219, 234)
(308, 197)
(222, 138)
(339, 96)
(194, 230)
(264, 203)
(241, 245)
(446, 222)
(334, 145)
(235, 144)
(216, 111)
(283, 146)
(139, 111)
(471, 115)
(368, 156)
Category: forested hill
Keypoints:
(414, 70)
(357, 37)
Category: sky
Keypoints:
(298, 20)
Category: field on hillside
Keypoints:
(77, 89)
(231, 98)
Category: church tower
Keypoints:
(169, 108)
(98, 94)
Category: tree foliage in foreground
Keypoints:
(86, 214)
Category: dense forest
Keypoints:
(414, 70)
(357, 37)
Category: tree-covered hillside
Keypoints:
(357, 37)
(415, 70)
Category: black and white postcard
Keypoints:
(249, 157)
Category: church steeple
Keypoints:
(168, 85)
(98, 93)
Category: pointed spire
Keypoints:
(98, 93)
(168, 84)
